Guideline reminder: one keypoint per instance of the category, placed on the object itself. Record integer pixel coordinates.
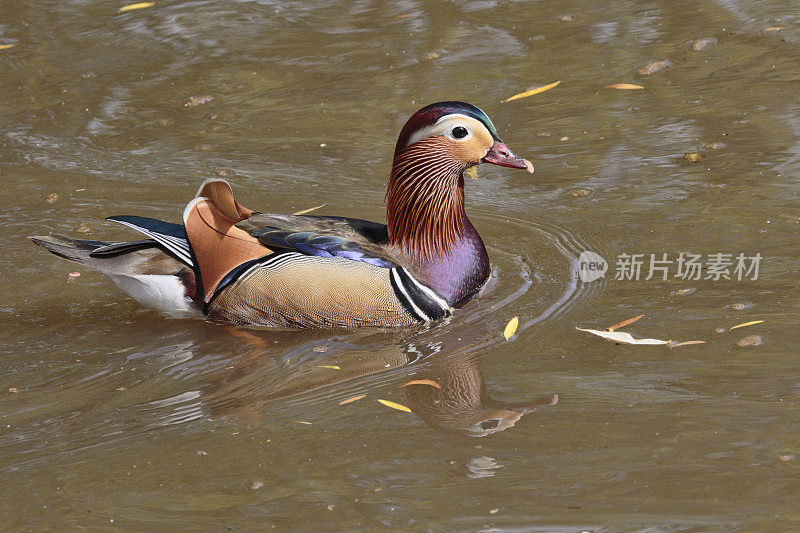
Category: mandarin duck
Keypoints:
(231, 265)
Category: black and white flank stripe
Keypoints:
(421, 301)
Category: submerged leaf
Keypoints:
(422, 382)
(195, 101)
(302, 422)
(623, 86)
(704, 43)
(621, 336)
(352, 399)
(623, 323)
(332, 367)
(310, 209)
(683, 292)
(746, 324)
(6, 46)
(472, 172)
(655, 66)
(750, 340)
(132, 7)
(511, 328)
(393, 405)
(531, 92)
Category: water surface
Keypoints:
(113, 417)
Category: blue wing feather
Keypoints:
(316, 244)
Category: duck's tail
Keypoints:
(81, 251)
(165, 272)
(143, 269)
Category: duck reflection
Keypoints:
(329, 370)
(462, 404)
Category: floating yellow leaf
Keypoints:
(773, 28)
(6, 46)
(472, 172)
(302, 422)
(422, 382)
(352, 399)
(133, 7)
(393, 405)
(624, 323)
(621, 336)
(685, 343)
(528, 166)
(332, 367)
(511, 328)
(310, 209)
(537, 90)
(746, 324)
(623, 86)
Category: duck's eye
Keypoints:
(459, 132)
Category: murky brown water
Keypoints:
(115, 418)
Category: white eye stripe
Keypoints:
(472, 119)
(451, 116)
(445, 125)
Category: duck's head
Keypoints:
(425, 194)
(461, 131)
